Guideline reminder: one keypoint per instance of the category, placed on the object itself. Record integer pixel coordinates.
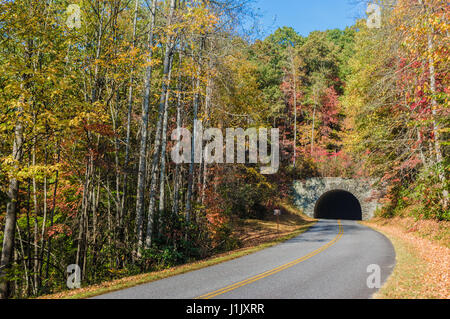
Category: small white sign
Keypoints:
(277, 212)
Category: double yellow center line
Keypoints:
(274, 270)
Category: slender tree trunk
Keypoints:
(82, 231)
(177, 167)
(295, 116)
(434, 110)
(25, 266)
(44, 220)
(207, 107)
(312, 132)
(294, 78)
(52, 214)
(29, 256)
(163, 151)
(11, 208)
(128, 136)
(189, 194)
(36, 213)
(142, 171)
(194, 132)
(157, 145)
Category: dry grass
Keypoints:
(423, 258)
(253, 232)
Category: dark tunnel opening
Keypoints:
(338, 204)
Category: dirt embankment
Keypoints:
(253, 232)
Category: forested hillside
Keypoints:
(88, 107)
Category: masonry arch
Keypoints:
(338, 204)
(306, 193)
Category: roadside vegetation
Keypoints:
(251, 236)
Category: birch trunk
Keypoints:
(163, 151)
(11, 208)
(154, 174)
(128, 134)
(142, 170)
(177, 167)
(195, 117)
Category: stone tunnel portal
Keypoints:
(338, 204)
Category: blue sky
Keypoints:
(308, 15)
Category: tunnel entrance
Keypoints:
(338, 204)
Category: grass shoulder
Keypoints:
(422, 259)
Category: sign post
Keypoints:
(277, 213)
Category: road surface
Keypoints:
(330, 260)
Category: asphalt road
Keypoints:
(330, 260)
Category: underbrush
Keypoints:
(424, 198)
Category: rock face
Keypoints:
(307, 192)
